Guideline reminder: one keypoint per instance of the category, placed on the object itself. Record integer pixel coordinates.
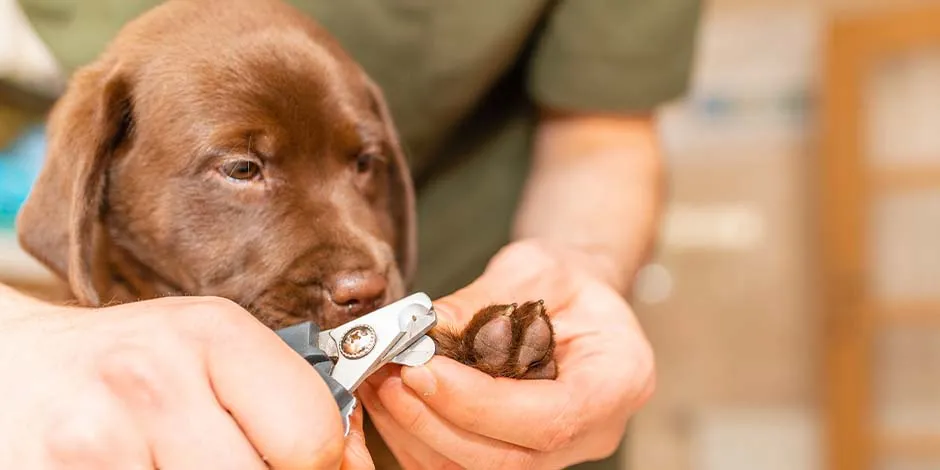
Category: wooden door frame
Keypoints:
(853, 46)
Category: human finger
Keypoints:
(464, 396)
(280, 403)
(408, 450)
(492, 288)
(464, 447)
(356, 454)
(175, 407)
(90, 431)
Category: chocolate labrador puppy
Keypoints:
(232, 148)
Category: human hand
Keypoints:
(447, 415)
(174, 383)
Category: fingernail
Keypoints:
(420, 379)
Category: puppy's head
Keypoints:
(230, 149)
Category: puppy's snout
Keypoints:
(357, 292)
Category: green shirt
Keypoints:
(463, 80)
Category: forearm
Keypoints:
(595, 185)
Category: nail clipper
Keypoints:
(346, 355)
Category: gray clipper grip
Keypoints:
(301, 338)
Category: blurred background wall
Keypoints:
(29, 81)
(792, 299)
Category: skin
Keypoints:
(444, 415)
(170, 383)
(609, 163)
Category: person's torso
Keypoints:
(434, 59)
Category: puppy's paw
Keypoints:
(515, 341)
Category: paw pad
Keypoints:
(512, 340)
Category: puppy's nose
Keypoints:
(358, 292)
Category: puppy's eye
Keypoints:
(241, 170)
(365, 162)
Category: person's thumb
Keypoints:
(356, 455)
(519, 273)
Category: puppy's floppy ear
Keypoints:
(402, 190)
(58, 220)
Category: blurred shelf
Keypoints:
(925, 313)
(915, 446)
(27, 100)
(906, 179)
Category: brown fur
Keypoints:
(136, 201)
(525, 352)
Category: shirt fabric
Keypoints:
(464, 80)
